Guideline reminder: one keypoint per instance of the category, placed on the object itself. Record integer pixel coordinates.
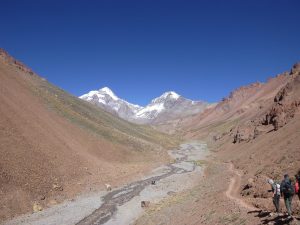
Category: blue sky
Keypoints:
(140, 49)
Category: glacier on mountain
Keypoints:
(169, 105)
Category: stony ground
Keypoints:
(122, 205)
(214, 201)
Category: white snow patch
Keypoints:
(166, 95)
(88, 95)
(157, 108)
(102, 101)
(109, 92)
(171, 94)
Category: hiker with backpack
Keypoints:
(287, 190)
(276, 194)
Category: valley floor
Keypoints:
(184, 194)
(123, 205)
(215, 200)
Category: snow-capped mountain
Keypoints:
(106, 99)
(168, 106)
(156, 106)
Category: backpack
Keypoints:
(288, 188)
(297, 187)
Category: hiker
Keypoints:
(276, 194)
(297, 185)
(287, 190)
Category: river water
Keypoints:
(122, 206)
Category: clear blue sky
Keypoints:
(140, 49)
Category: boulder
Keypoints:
(52, 202)
(244, 133)
(145, 204)
(36, 207)
(57, 187)
(108, 187)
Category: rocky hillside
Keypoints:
(54, 145)
(285, 107)
(243, 103)
(257, 128)
(168, 106)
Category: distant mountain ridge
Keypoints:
(168, 106)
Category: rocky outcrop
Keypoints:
(237, 96)
(12, 61)
(256, 187)
(244, 133)
(249, 131)
(295, 69)
(286, 104)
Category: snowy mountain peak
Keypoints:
(109, 92)
(106, 99)
(171, 94)
(169, 105)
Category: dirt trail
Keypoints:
(212, 201)
(233, 189)
(215, 200)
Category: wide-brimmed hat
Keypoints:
(270, 181)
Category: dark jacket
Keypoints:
(284, 187)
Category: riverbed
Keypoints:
(122, 206)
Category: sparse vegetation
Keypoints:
(200, 162)
(99, 122)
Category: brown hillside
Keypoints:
(241, 105)
(54, 145)
(257, 128)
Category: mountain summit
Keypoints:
(168, 106)
(109, 92)
(107, 100)
(170, 95)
